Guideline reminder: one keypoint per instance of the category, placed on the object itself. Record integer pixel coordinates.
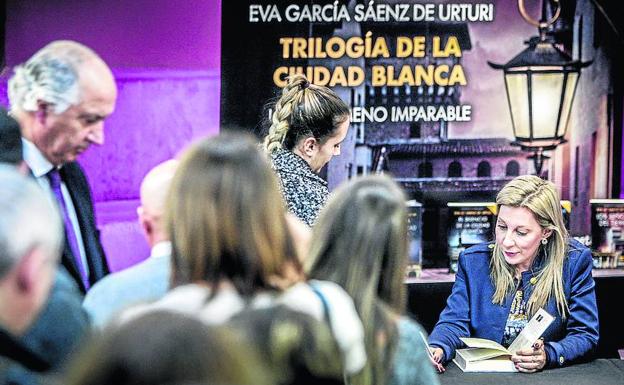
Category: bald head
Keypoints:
(154, 189)
(155, 186)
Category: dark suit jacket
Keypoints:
(61, 325)
(78, 187)
(18, 365)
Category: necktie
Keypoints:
(55, 183)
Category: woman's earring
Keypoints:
(544, 241)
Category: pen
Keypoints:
(438, 365)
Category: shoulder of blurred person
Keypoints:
(62, 325)
(144, 282)
(329, 302)
(193, 299)
(10, 140)
(13, 373)
(301, 235)
(411, 365)
(18, 364)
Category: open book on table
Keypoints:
(483, 355)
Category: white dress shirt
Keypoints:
(40, 166)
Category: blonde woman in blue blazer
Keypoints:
(532, 264)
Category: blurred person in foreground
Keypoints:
(167, 348)
(11, 142)
(30, 245)
(360, 242)
(62, 323)
(234, 262)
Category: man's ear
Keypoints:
(28, 269)
(144, 221)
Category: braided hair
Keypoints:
(304, 110)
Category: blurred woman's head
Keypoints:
(226, 218)
(310, 120)
(360, 241)
(166, 348)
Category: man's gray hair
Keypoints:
(50, 76)
(28, 219)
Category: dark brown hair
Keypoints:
(226, 218)
(164, 347)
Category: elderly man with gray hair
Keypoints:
(60, 97)
(30, 245)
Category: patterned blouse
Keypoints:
(304, 191)
(517, 319)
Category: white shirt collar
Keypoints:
(35, 160)
(161, 249)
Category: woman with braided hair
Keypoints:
(308, 124)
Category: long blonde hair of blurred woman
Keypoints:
(360, 242)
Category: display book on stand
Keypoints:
(482, 355)
(607, 233)
(414, 229)
(471, 223)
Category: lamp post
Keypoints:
(540, 83)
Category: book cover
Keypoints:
(607, 235)
(482, 355)
(469, 223)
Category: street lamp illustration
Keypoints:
(540, 83)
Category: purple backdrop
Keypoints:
(166, 58)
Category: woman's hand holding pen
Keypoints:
(435, 355)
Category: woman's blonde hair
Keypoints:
(541, 198)
(225, 216)
(360, 242)
(304, 110)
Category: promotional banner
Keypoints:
(432, 99)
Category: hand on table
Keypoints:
(530, 360)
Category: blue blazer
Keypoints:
(470, 312)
